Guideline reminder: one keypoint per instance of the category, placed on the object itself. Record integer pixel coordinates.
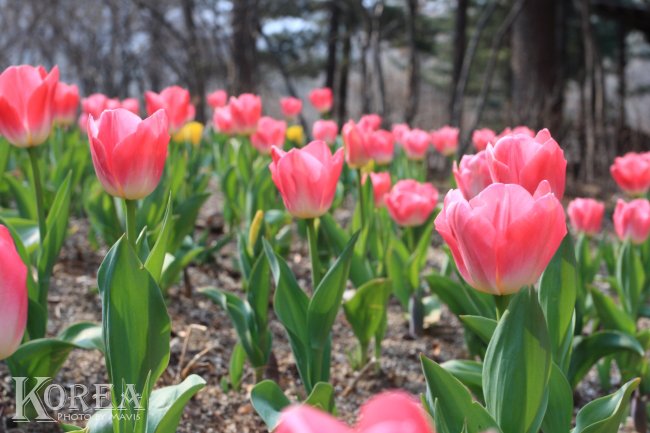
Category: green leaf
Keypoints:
(560, 403)
(451, 402)
(366, 309)
(605, 414)
(470, 373)
(156, 258)
(461, 299)
(269, 401)
(588, 350)
(134, 311)
(631, 278)
(166, 405)
(397, 259)
(481, 326)
(610, 315)
(172, 268)
(85, 335)
(236, 366)
(517, 366)
(322, 397)
(557, 295)
(24, 197)
(43, 357)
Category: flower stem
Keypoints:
(131, 208)
(502, 302)
(38, 188)
(312, 235)
(361, 199)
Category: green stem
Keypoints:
(131, 208)
(502, 303)
(312, 235)
(362, 204)
(38, 188)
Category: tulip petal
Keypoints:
(306, 419)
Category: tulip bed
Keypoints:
(271, 281)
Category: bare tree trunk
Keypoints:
(342, 96)
(460, 42)
(378, 11)
(332, 43)
(366, 38)
(622, 88)
(195, 61)
(588, 47)
(243, 47)
(414, 63)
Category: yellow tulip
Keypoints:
(190, 133)
(296, 134)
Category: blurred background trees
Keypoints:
(578, 67)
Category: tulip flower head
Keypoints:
(296, 134)
(322, 99)
(517, 130)
(325, 130)
(66, 103)
(382, 146)
(270, 132)
(246, 110)
(191, 133)
(586, 215)
(445, 140)
(128, 153)
(370, 121)
(222, 120)
(13, 295)
(307, 178)
(632, 220)
(217, 99)
(381, 184)
(473, 174)
(502, 239)
(399, 131)
(27, 107)
(131, 104)
(176, 102)
(389, 412)
(411, 203)
(520, 159)
(291, 107)
(482, 137)
(357, 145)
(632, 173)
(415, 143)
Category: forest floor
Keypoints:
(206, 332)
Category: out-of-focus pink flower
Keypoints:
(13, 295)
(325, 130)
(307, 178)
(632, 173)
(445, 140)
(473, 174)
(382, 146)
(358, 150)
(411, 203)
(66, 103)
(517, 130)
(176, 102)
(291, 107)
(381, 184)
(370, 121)
(246, 110)
(399, 131)
(389, 412)
(322, 99)
(270, 132)
(415, 143)
(222, 120)
(482, 137)
(632, 220)
(131, 104)
(520, 159)
(502, 239)
(27, 104)
(217, 99)
(129, 153)
(586, 215)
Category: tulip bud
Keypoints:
(415, 143)
(632, 220)
(322, 99)
(325, 130)
(586, 215)
(217, 99)
(291, 107)
(445, 140)
(632, 173)
(254, 232)
(411, 203)
(246, 111)
(13, 295)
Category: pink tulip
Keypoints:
(291, 107)
(473, 174)
(632, 220)
(586, 215)
(113, 104)
(131, 104)
(389, 412)
(382, 146)
(217, 99)
(415, 143)
(370, 121)
(325, 130)
(307, 178)
(129, 153)
(482, 137)
(445, 140)
(27, 104)
(66, 103)
(411, 203)
(632, 173)
(399, 131)
(517, 130)
(270, 132)
(176, 102)
(381, 184)
(527, 161)
(322, 99)
(222, 119)
(357, 145)
(246, 111)
(502, 239)
(13, 295)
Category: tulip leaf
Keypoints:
(605, 414)
(631, 278)
(588, 350)
(84, 335)
(557, 295)
(397, 259)
(236, 366)
(166, 405)
(560, 403)
(451, 402)
(156, 257)
(461, 299)
(517, 366)
(610, 315)
(470, 373)
(481, 326)
(322, 397)
(366, 309)
(269, 401)
(24, 197)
